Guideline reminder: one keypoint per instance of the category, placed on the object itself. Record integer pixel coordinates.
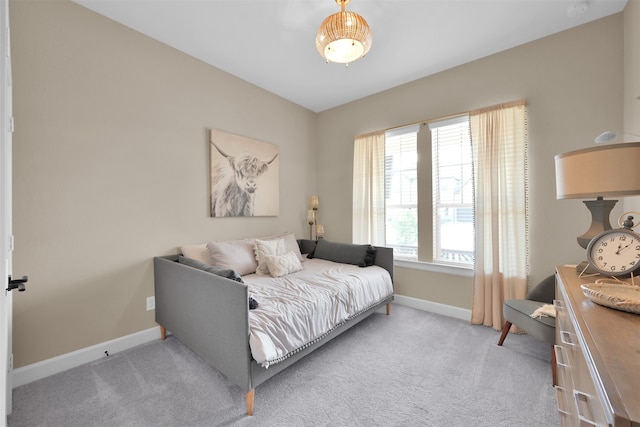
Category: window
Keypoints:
(452, 172)
(451, 215)
(401, 191)
(430, 193)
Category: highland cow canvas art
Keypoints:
(244, 176)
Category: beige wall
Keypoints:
(572, 83)
(111, 168)
(631, 97)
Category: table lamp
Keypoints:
(595, 173)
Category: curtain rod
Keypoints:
(497, 107)
(471, 113)
(364, 135)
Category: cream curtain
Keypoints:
(368, 189)
(498, 137)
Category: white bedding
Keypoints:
(300, 308)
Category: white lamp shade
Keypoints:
(314, 203)
(609, 170)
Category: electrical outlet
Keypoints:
(151, 303)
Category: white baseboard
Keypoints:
(45, 368)
(433, 307)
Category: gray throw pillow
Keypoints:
(224, 272)
(346, 253)
(307, 246)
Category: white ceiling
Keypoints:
(271, 43)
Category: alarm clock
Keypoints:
(614, 252)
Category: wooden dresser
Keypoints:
(598, 358)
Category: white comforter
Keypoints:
(300, 308)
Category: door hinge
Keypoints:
(10, 362)
(11, 243)
(11, 124)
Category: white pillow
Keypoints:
(264, 248)
(289, 240)
(280, 265)
(236, 255)
(198, 252)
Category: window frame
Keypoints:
(394, 133)
(426, 232)
(463, 121)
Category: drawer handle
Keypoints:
(561, 360)
(565, 337)
(582, 401)
(560, 398)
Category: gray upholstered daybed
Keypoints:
(210, 314)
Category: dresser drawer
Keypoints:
(585, 396)
(563, 322)
(565, 406)
(567, 348)
(578, 400)
(564, 388)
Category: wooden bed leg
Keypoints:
(250, 395)
(388, 308)
(163, 333)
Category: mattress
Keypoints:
(301, 308)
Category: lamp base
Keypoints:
(600, 210)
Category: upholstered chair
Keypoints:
(518, 312)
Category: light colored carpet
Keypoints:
(410, 369)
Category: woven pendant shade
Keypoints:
(343, 37)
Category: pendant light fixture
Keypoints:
(344, 36)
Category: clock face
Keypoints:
(615, 252)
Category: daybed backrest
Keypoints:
(383, 256)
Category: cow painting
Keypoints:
(236, 179)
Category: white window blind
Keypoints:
(453, 228)
(401, 191)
